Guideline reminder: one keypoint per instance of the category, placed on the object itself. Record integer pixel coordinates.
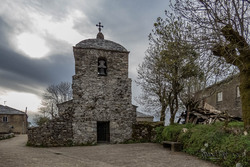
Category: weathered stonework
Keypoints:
(141, 117)
(145, 131)
(101, 98)
(98, 98)
(56, 132)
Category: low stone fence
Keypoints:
(145, 131)
(6, 135)
(56, 132)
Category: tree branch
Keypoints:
(235, 39)
(228, 53)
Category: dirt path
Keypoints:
(14, 153)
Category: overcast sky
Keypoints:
(36, 39)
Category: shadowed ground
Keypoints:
(14, 153)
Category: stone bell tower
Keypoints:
(103, 111)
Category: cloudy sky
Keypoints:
(36, 39)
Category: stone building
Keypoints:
(12, 120)
(224, 96)
(101, 108)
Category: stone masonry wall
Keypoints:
(102, 98)
(86, 63)
(56, 132)
(145, 131)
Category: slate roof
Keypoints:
(10, 111)
(139, 114)
(101, 44)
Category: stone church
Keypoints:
(101, 108)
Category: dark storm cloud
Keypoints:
(10, 80)
(4, 33)
(58, 9)
(39, 72)
(21, 73)
(125, 22)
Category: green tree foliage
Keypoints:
(223, 28)
(153, 84)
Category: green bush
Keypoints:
(171, 132)
(159, 131)
(215, 142)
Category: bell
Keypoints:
(102, 71)
(102, 67)
(102, 64)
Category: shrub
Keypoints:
(213, 142)
(159, 131)
(171, 132)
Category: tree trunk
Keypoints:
(188, 113)
(163, 113)
(245, 96)
(172, 119)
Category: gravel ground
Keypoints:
(14, 153)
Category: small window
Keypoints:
(237, 91)
(5, 119)
(219, 96)
(102, 67)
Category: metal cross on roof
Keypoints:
(100, 26)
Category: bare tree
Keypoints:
(225, 31)
(53, 95)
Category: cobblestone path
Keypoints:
(14, 153)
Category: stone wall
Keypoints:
(65, 108)
(145, 131)
(6, 136)
(142, 119)
(56, 132)
(102, 98)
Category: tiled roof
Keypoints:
(9, 111)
